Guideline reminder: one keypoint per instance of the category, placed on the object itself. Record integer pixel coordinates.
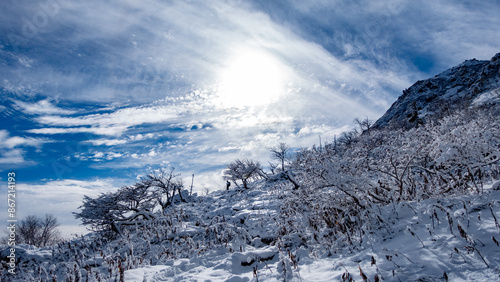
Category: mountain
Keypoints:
(448, 91)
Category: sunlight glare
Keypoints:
(252, 78)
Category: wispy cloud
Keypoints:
(107, 142)
(9, 142)
(166, 48)
(99, 130)
(414, 39)
(43, 107)
(120, 141)
(12, 158)
(449, 32)
(12, 149)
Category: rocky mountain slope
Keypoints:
(448, 91)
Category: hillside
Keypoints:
(399, 202)
(448, 91)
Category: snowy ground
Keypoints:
(428, 240)
(421, 247)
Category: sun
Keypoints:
(251, 78)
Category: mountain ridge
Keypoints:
(432, 98)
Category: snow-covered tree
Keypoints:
(364, 124)
(243, 170)
(165, 186)
(131, 205)
(280, 153)
(101, 213)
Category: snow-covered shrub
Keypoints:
(342, 183)
(131, 205)
(244, 170)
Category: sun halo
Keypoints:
(251, 78)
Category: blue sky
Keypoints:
(95, 93)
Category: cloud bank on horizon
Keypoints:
(106, 89)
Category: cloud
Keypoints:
(110, 131)
(163, 49)
(12, 149)
(334, 53)
(413, 39)
(43, 107)
(451, 32)
(60, 198)
(121, 117)
(12, 158)
(114, 142)
(107, 142)
(339, 58)
(8, 142)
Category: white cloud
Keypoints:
(128, 117)
(452, 32)
(113, 155)
(152, 153)
(109, 131)
(11, 155)
(108, 142)
(98, 155)
(12, 158)
(167, 48)
(114, 142)
(16, 141)
(139, 137)
(111, 124)
(43, 107)
(60, 198)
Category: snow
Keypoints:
(402, 256)
(420, 244)
(488, 97)
(144, 273)
(410, 260)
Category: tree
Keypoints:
(364, 125)
(245, 170)
(348, 138)
(280, 153)
(102, 212)
(165, 185)
(39, 231)
(110, 212)
(131, 205)
(138, 196)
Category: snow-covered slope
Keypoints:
(456, 237)
(424, 241)
(448, 91)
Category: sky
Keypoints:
(94, 94)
